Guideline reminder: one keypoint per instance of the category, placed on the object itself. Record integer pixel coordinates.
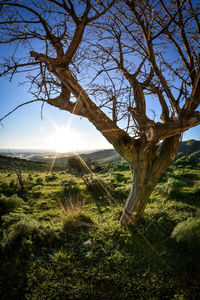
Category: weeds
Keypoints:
(188, 234)
(65, 242)
(8, 204)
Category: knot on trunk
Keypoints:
(40, 57)
(128, 219)
(149, 133)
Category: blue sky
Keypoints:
(58, 130)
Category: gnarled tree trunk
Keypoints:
(147, 171)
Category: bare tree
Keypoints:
(111, 62)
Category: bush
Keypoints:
(36, 191)
(121, 192)
(122, 166)
(71, 203)
(97, 187)
(188, 234)
(185, 161)
(196, 189)
(51, 178)
(119, 177)
(39, 180)
(70, 198)
(8, 204)
(25, 232)
(9, 189)
(77, 221)
(171, 188)
(30, 177)
(70, 186)
(76, 164)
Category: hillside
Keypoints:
(101, 156)
(189, 147)
(186, 148)
(60, 237)
(10, 163)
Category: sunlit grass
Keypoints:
(65, 240)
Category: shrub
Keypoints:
(30, 177)
(188, 233)
(171, 188)
(70, 198)
(51, 178)
(76, 164)
(8, 204)
(121, 192)
(77, 221)
(119, 177)
(36, 191)
(39, 180)
(122, 166)
(184, 161)
(196, 189)
(9, 189)
(70, 186)
(25, 232)
(97, 187)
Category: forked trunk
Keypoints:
(146, 174)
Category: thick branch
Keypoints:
(172, 128)
(50, 62)
(123, 143)
(194, 100)
(77, 38)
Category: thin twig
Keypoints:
(20, 105)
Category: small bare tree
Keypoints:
(113, 62)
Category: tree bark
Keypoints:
(146, 174)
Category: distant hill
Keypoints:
(189, 147)
(10, 163)
(101, 156)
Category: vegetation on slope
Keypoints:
(189, 147)
(60, 237)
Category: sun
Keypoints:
(65, 139)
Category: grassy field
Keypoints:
(60, 236)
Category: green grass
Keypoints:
(61, 238)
